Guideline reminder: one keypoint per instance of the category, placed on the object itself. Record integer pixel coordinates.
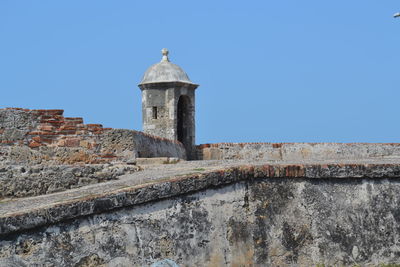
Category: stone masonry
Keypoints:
(80, 195)
(168, 103)
(258, 204)
(42, 152)
(237, 215)
(298, 151)
(42, 136)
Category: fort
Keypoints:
(75, 194)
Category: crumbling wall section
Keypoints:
(42, 152)
(46, 136)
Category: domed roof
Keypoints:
(165, 71)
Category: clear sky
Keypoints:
(269, 71)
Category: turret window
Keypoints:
(154, 113)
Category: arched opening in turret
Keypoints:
(184, 123)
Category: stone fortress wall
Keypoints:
(298, 151)
(265, 215)
(69, 140)
(244, 204)
(41, 152)
(74, 194)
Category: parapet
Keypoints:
(298, 152)
(40, 136)
(43, 152)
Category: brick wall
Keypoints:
(38, 136)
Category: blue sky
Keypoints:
(269, 71)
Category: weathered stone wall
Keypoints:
(41, 152)
(251, 222)
(43, 136)
(298, 151)
(34, 180)
(168, 110)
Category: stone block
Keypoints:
(72, 142)
(85, 144)
(47, 128)
(61, 143)
(94, 126)
(59, 112)
(68, 127)
(37, 139)
(48, 140)
(66, 132)
(47, 134)
(55, 123)
(211, 153)
(34, 144)
(74, 120)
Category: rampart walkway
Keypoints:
(162, 181)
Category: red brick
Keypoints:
(47, 133)
(34, 133)
(34, 144)
(49, 111)
(48, 128)
(37, 139)
(67, 132)
(51, 117)
(108, 156)
(94, 125)
(70, 124)
(48, 140)
(53, 122)
(68, 127)
(74, 120)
